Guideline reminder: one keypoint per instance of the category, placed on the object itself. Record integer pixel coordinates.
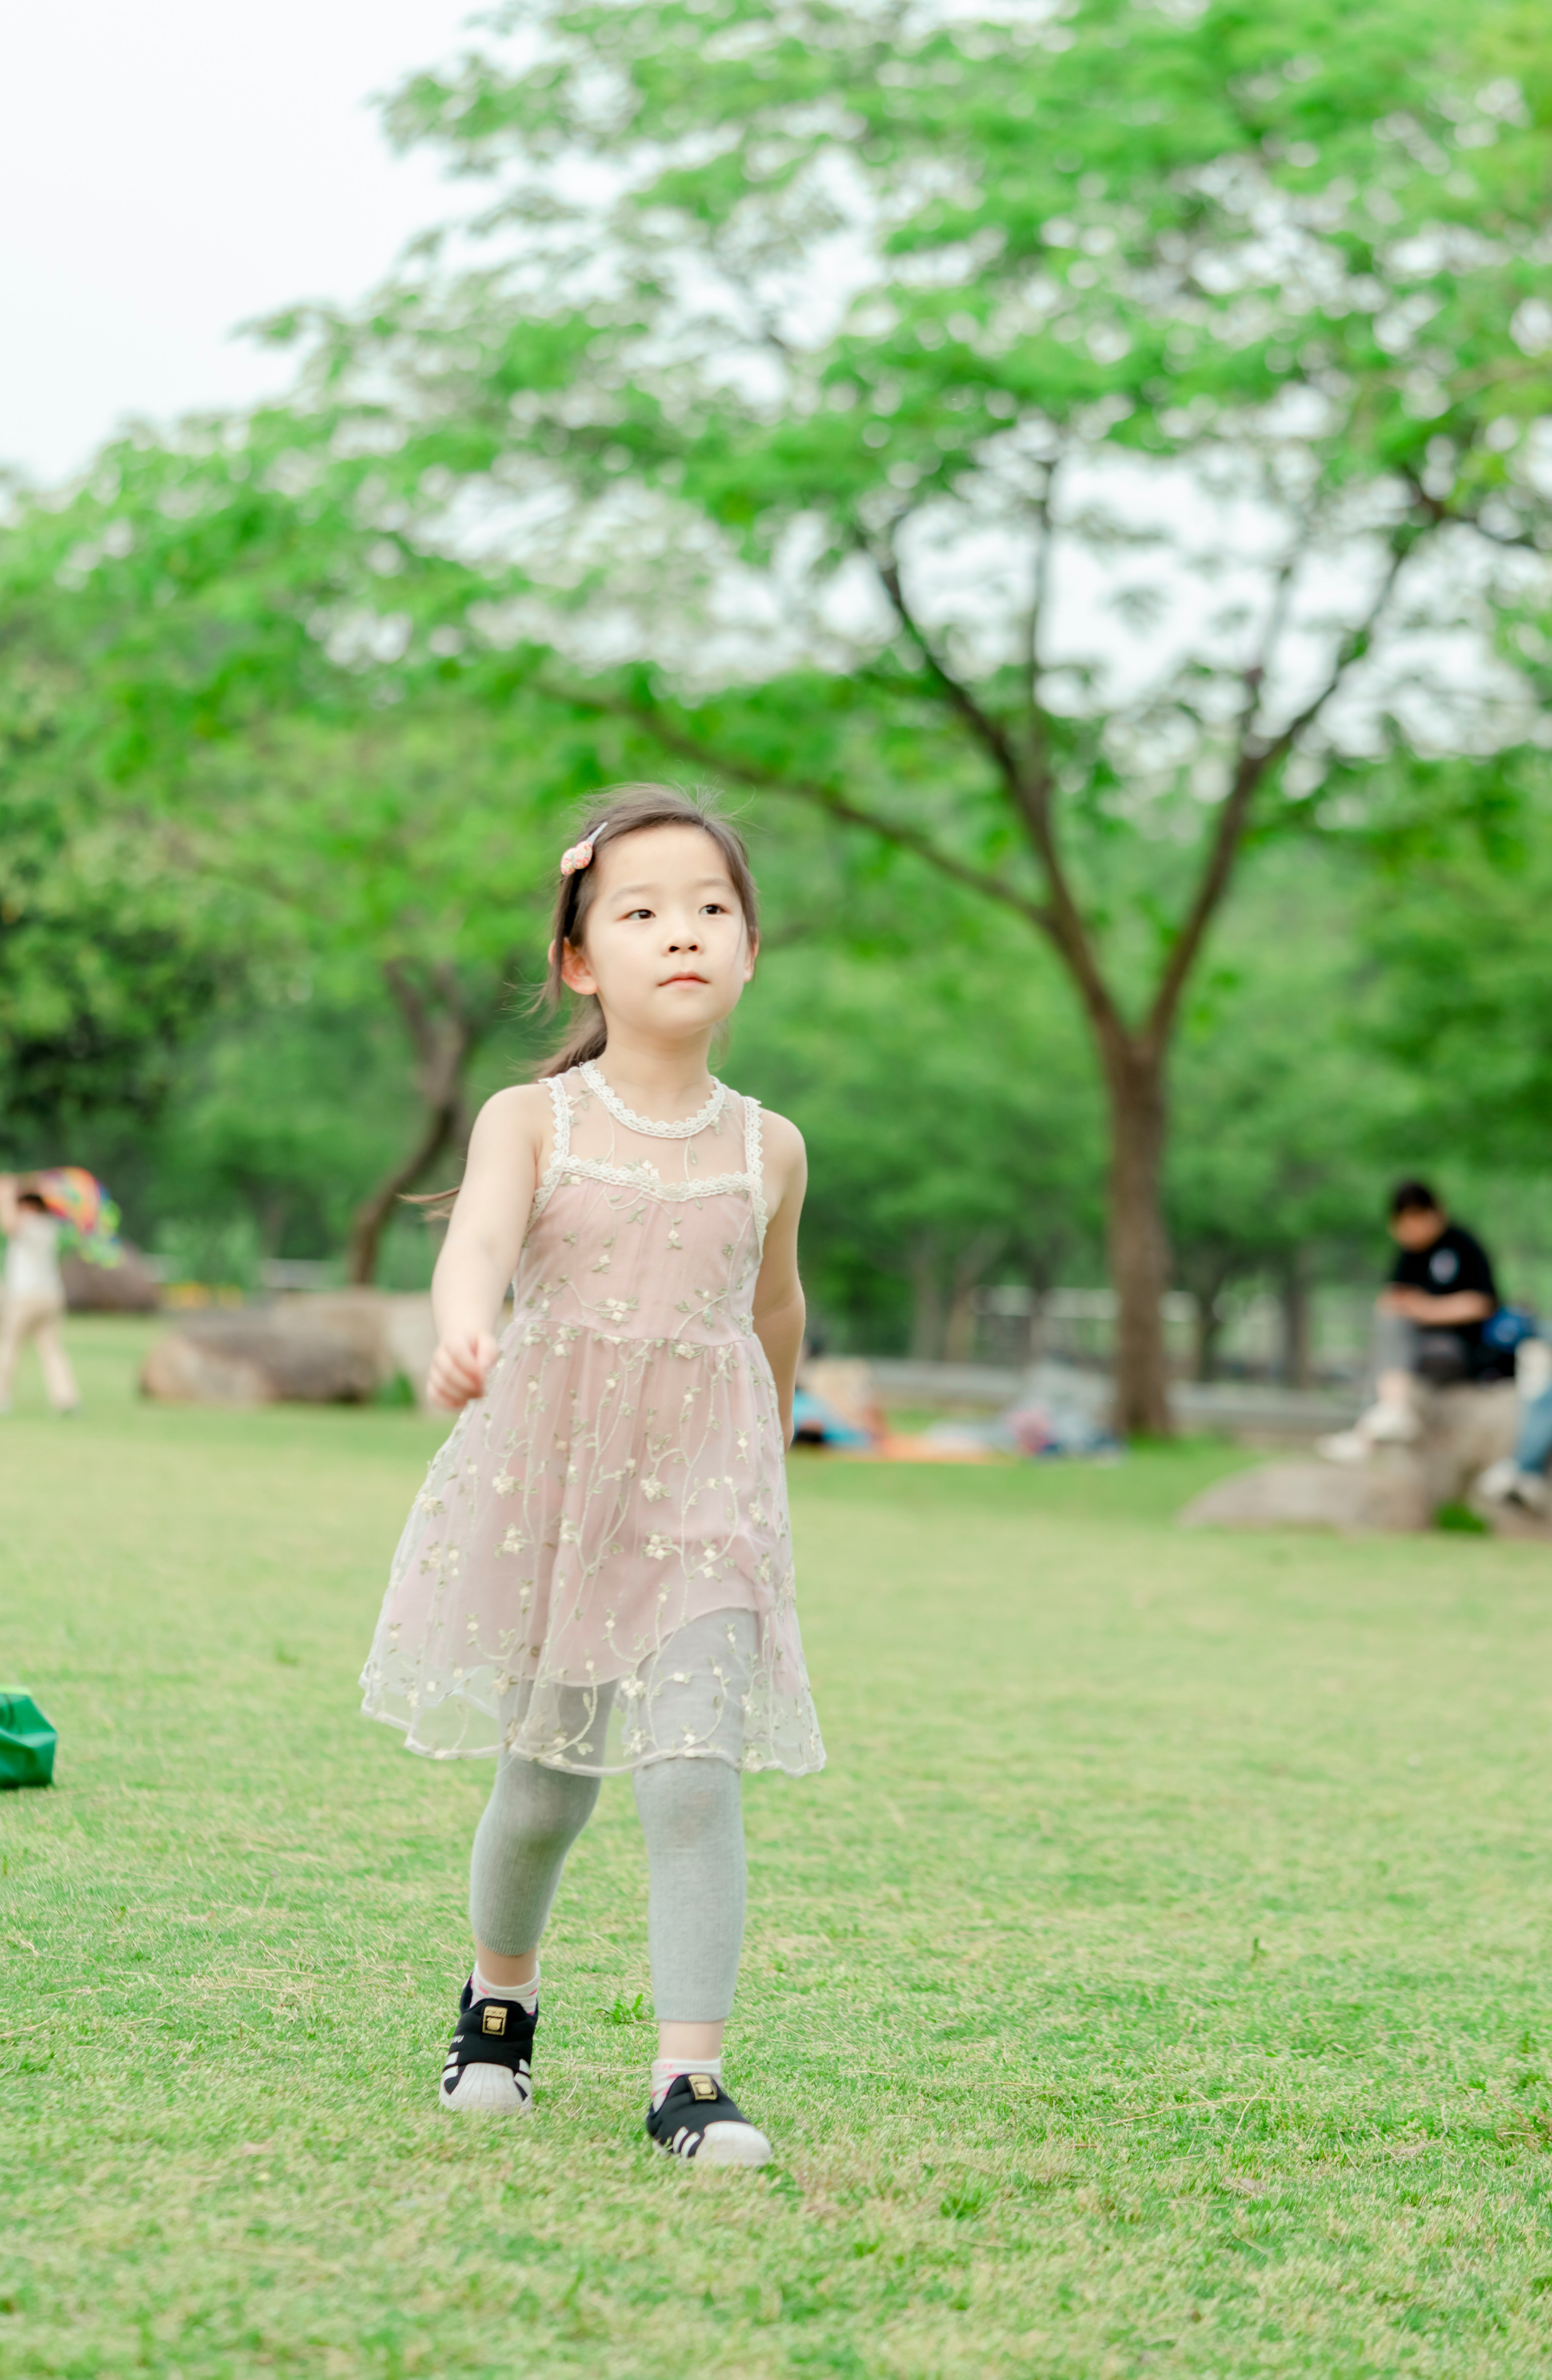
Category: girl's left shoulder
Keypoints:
(786, 1160)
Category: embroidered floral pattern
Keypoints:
(599, 1569)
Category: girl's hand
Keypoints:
(459, 1368)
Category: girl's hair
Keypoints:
(627, 809)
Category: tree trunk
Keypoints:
(927, 1304)
(959, 1334)
(1208, 1330)
(1138, 1247)
(1207, 1279)
(959, 1338)
(443, 1029)
(1298, 1335)
(371, 1217)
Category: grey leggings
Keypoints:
(693, 1820)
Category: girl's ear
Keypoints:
(752, 955)
(576, 973)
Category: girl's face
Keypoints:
(664, 949)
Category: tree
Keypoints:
(105, 969)
(403, 856)
(1027, 438)
(213, 664)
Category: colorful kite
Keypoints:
(84, 1206)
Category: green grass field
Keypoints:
(1156, 1982)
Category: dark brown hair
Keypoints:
(619, 810)
(1413, 1198)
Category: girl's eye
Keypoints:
(638, 913)
(714, 909)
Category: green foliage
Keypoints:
(101, 983)
(952, 1125)
(1457, 922)
(836, 351)
(1288, 1109)
(222, 1251)
(106, 967)
(849, 303)
(1291, 252)
(1460, 1520)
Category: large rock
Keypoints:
(1399, 1487)
(256, 1359)
(335, 1349)
(395, 1329)
(127, 1287)
(1511, 1519)
(1384, 1494)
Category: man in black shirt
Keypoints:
(1430, 1316)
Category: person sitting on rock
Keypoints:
(1428, 1324)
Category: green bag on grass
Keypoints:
(27, 1741)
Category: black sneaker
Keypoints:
(489, 2067)
(698, 2120)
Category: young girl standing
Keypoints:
(597, 1574)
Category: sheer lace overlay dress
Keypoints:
(597, 1572)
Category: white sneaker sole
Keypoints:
(487, 2091)
(732, 2145)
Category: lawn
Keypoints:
(1156, 1982)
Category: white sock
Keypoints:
(526, 1995)
(667, 2071)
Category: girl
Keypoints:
(597, 1574)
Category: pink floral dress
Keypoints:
(598, 1571)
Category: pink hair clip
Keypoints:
(581, 854)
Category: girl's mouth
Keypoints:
(683, 978)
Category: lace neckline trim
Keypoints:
(684, 1130)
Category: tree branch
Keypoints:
(411, 1005)
(1039, 594)
(1256, 759)
(367, 1223)
(1030, 789)
(986, 730)
(828, 798)
(1444, 516)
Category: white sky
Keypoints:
(173, 167)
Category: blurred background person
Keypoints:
(1428, 1322)
(34, 1294)
(1521, 1478)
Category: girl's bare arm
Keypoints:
(484, 1240)
(779, 1307)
